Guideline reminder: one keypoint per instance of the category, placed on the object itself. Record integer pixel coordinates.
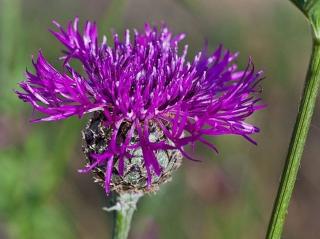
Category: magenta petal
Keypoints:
(144, 79)
(108, 175)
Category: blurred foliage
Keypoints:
(42, 195)
(11, 51)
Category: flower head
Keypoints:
(138, 86)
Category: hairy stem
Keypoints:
(124, 208)
(297, 144)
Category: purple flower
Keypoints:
(143, 80)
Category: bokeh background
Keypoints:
(227, 196)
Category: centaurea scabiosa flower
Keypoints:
(148, 101)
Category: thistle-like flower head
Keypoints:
(140, 87)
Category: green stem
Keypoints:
(124, 209)
(297, 144)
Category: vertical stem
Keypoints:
(124, 209)
(298, 139)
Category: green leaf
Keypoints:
(311, 9)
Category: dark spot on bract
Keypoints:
(88, 137)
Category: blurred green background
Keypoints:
(227, 196)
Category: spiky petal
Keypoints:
(145, 80)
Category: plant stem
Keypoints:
(298, 139)
(124, 209)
